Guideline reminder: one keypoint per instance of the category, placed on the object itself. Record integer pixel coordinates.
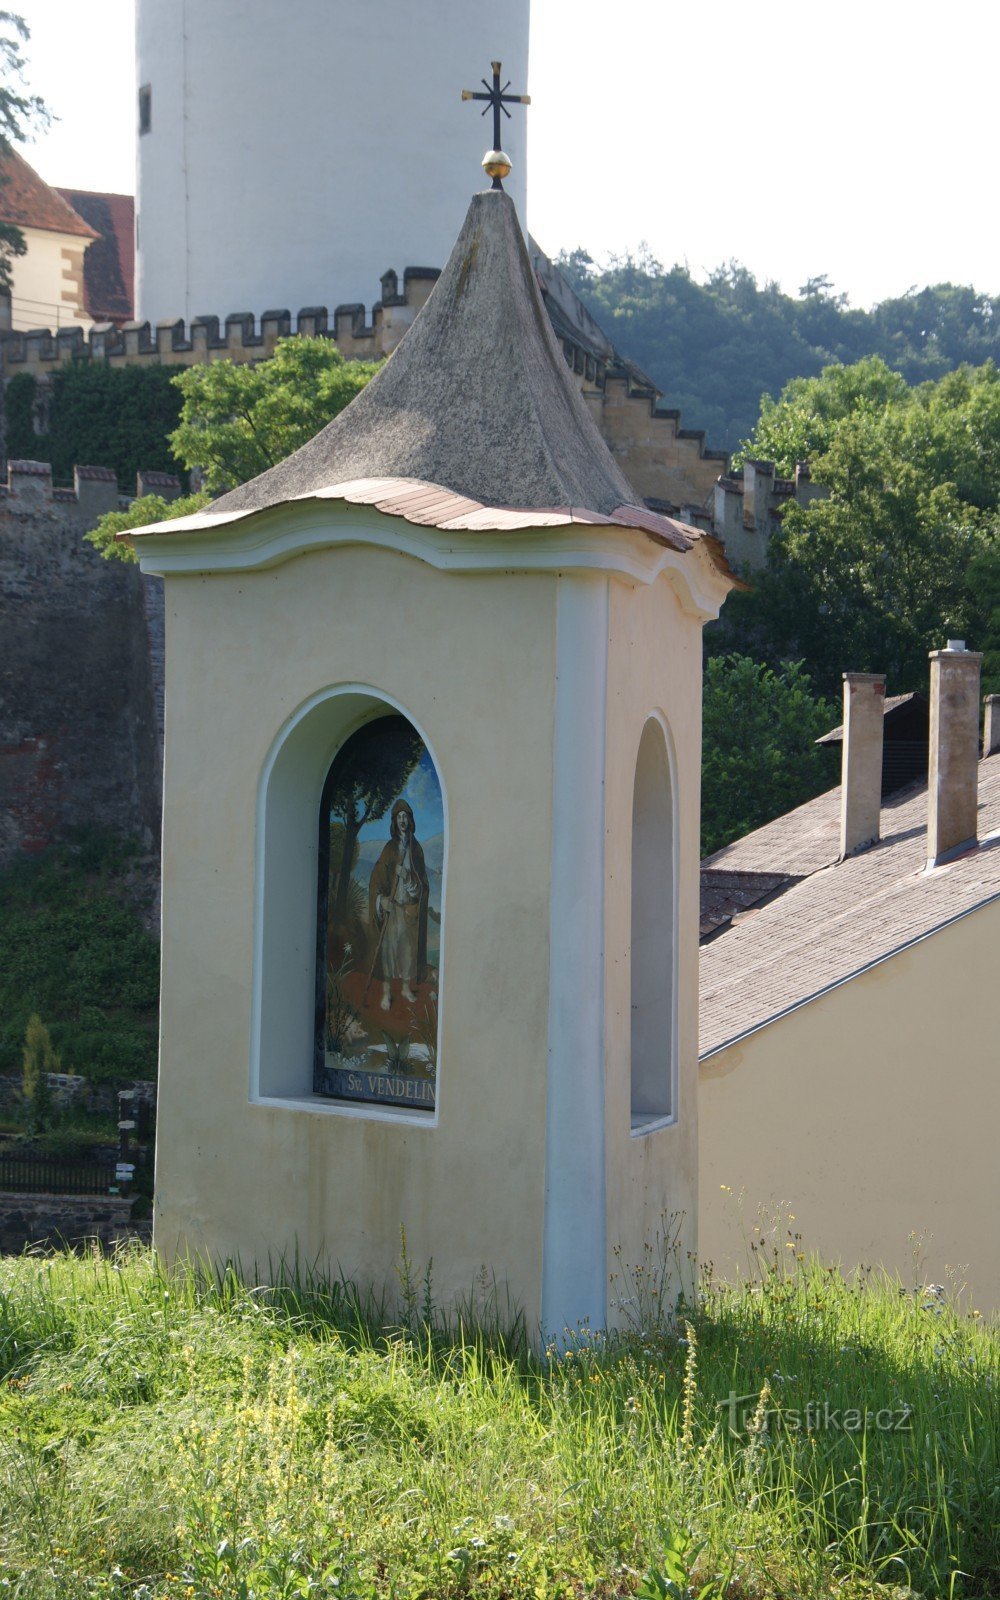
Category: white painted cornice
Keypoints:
(269, 538)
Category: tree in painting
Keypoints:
(367, 776)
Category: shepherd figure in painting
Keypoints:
(397, 906)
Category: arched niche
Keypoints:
(378, 955)
(653, 1072)
(293, 936)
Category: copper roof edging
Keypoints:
(434, 505)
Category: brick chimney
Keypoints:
(861, 772)
(991, 725)
(953, 779)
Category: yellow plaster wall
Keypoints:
(48, 282)
(472, 662)
(873, 1113)
(654, 665)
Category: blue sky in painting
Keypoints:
(424, 795)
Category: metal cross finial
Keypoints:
(496, 163)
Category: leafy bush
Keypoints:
(23, 444)
(98, 415)
(149, 508)
(759, 755)
(73, 948)
(38, 1059)
(237, 419)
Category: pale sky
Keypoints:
(854, 139)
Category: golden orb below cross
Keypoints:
(496, 164)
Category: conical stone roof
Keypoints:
(477, 398)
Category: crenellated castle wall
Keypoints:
(668, 464)
(81, 638)
(748, 507)
(240, 337)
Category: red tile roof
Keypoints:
(109, 265)
(29, 202)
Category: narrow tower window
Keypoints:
(654, 918)
(145, 108)
(381, 860)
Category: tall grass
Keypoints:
(186, 1435)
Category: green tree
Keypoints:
(117, 417)
(238, 420)
(759, 755)
(20, 112)
(984, 579)
(714, 348)
(74, 949)
(38, 1059)
(801, 425)
(148, 508)
(899, 555)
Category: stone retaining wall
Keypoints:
(58, 1219)
(99, 1098)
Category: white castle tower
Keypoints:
(292, 151)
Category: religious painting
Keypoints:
(379, 944)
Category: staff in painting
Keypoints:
(378, 947)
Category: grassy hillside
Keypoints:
(167, 1437)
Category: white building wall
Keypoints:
(300, 148)
(46, 282)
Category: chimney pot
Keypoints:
(861, 771)
(991, 725)
(953, 778)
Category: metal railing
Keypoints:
(20, 1174)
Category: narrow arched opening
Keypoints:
(653, 933)
(381, 861)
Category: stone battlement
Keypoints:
(28, 488)
(239, 337)
(671, 466)
(748, 508)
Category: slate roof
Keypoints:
(793, 845)
(109, 265)
(843, 917)
(29, 202)
(725, 895)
